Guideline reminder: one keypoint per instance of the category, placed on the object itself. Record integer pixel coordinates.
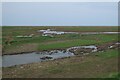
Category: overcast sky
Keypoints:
(60, 14)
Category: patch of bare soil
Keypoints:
(81, 51)
(110, 45)
(103, 47)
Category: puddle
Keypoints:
(50, 32)
(100, 33)
(11, 60)
(78, 47)
(118, 43)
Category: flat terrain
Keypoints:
(40, 43)
(102, 64)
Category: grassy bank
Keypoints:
(82, 40)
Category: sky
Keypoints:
(59, 0)
(59, 13)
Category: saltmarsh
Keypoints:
(96, 65)
(57, 42)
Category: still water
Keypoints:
(11, 60)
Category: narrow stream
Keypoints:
(11, 60)
(17, 59)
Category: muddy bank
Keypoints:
(99, 33)
(106, 46)
(84, 51)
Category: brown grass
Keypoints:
(22, 48)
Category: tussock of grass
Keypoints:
(108, 53)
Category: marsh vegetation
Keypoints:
(102, 63)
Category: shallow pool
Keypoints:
(11, 60)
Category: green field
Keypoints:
(97, 65)
(40, 43)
